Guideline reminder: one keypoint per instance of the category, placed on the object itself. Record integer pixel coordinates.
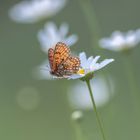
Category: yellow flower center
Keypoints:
(81, 71)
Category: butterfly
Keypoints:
(62, 64)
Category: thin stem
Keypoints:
(95, 109)
(91, 20)
(78, 131)
(131, 80)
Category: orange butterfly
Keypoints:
(61, 62)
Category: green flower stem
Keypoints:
(95, 109)
(91, 20)
(78, 131)
(131, 80)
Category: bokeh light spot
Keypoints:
(28, 98)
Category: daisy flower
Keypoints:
(121, 41)
(50, 35)
(63, 65)
(103, 93)
(86, 70)
(89, 66)
(33, 10)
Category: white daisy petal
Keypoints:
(75, 76)
(51, 33)
(50, 29)
(89, 61)
(117, 33)
(102, 64)
(94, 61)
(83, 59)
(71, 40)
(64, 28)
(43, 40)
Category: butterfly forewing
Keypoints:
(61, 53)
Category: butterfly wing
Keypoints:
(51, 58)
(61, 53)
(70, 66)
(62, 64)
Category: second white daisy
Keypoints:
(103, 92)
(50, 35)
(34, 10)
(121, 41)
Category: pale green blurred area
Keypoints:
(45, 115)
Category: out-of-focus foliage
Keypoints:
(34, 109)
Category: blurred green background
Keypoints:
(43, 112)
